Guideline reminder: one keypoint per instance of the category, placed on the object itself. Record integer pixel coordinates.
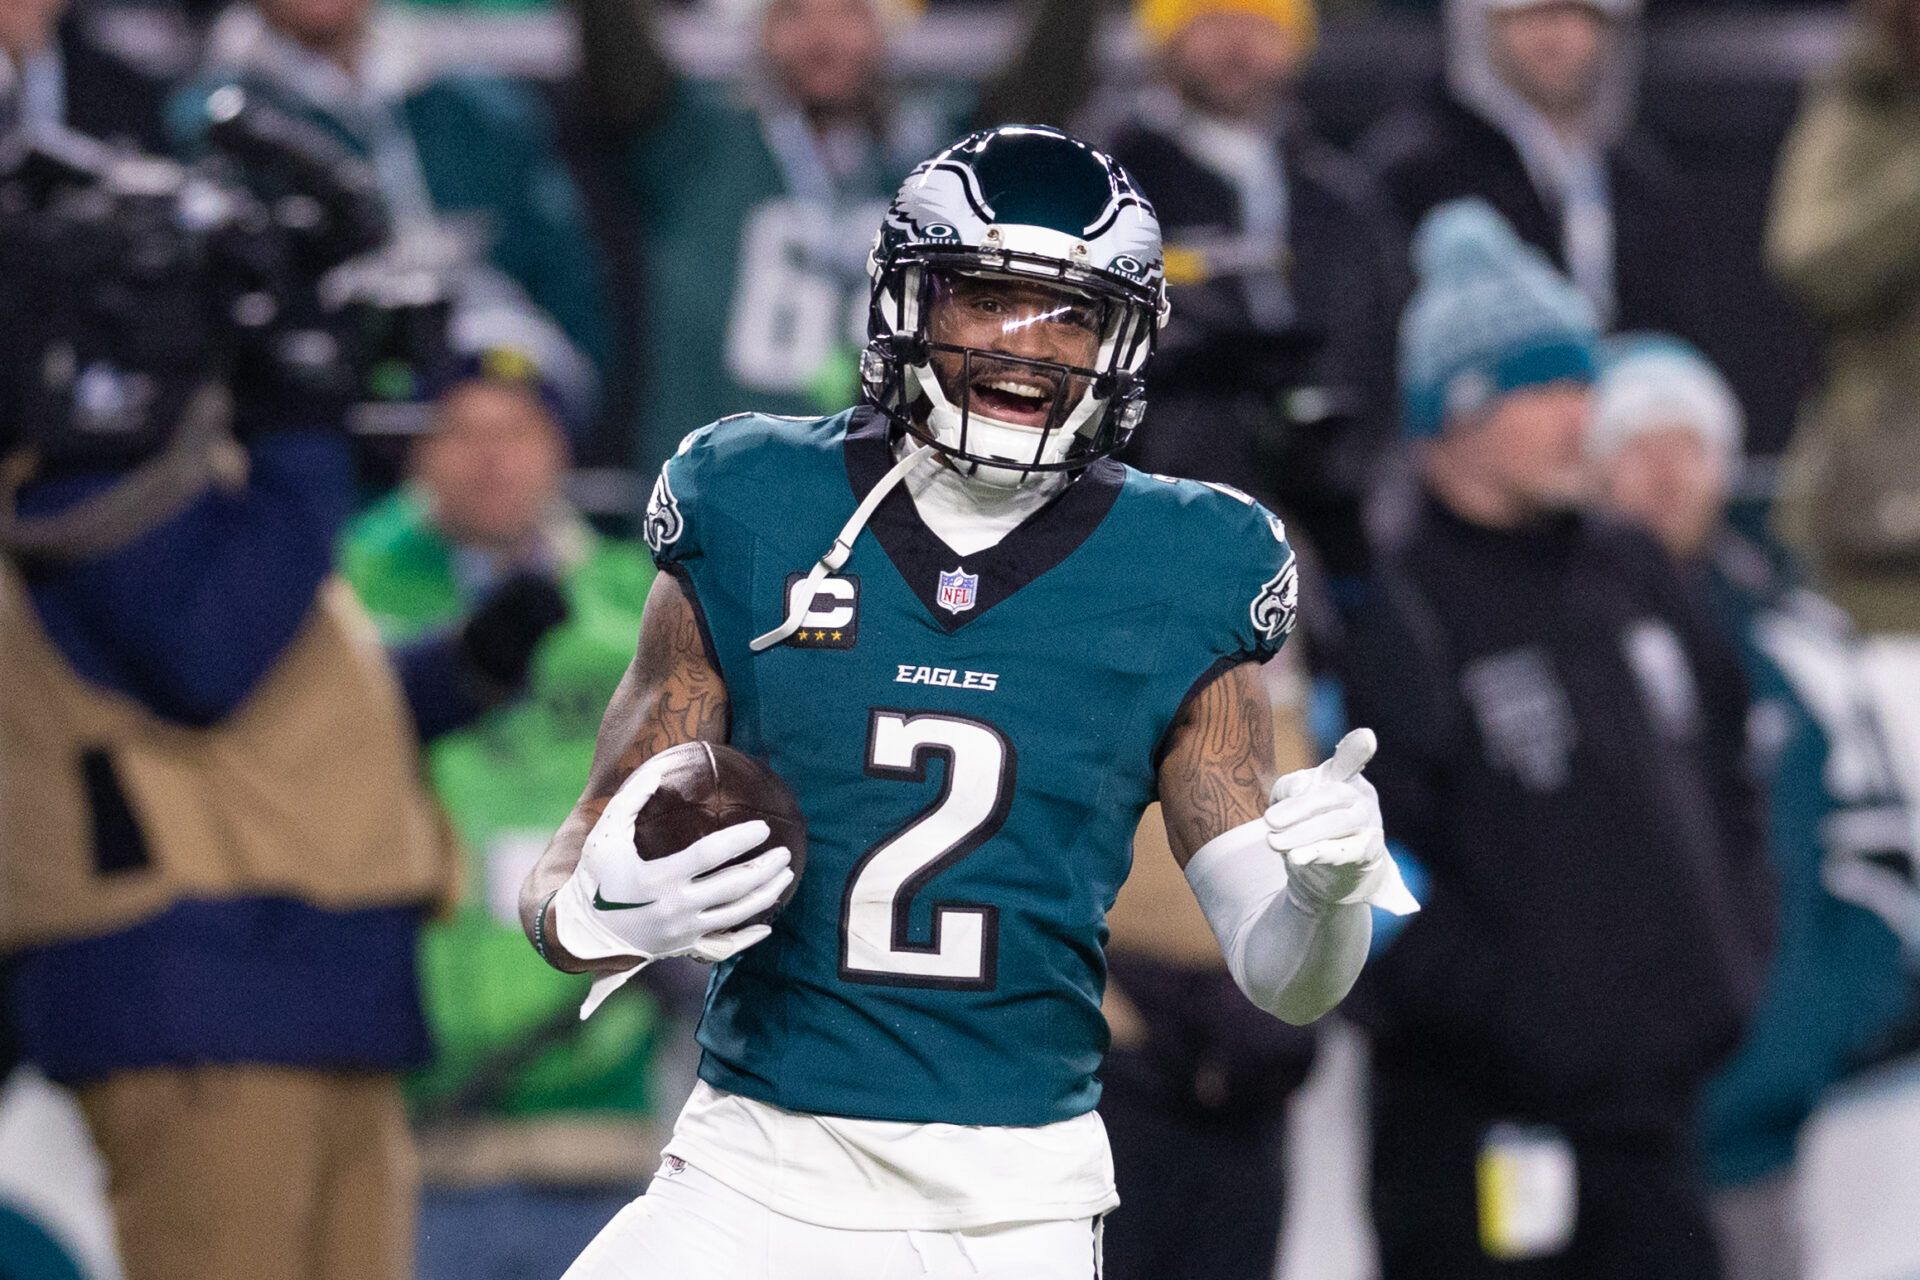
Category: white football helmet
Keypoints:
(1031, 206)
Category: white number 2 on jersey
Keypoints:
(875, 941)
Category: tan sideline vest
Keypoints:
(311, 790)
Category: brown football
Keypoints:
(706, 786)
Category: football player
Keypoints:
(974, 693)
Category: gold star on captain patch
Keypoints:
(801, 636)
(836, 635)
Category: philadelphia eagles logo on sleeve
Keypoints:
(1277, 604)
(664, 525)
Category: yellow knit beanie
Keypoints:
(1161, 20)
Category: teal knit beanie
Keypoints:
(1490, 316)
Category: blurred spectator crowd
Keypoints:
(278, 753)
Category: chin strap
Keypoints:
(842, 548)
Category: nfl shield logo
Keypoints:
(957, 588)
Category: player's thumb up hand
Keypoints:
(1349, 757)
(1326, 822)
(1330, 801)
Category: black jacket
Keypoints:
(1427, 156)
(1208, 1056)
(107, 97)
(1562, 748)
(1219, 388)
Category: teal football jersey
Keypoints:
(972, 740)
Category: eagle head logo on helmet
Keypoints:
(1059, 228)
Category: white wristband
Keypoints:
(1294, 961)
(1234, 876)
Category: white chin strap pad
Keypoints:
(989, 438)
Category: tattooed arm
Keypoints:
(1293, 949)
(669, 695)
(1219, 763)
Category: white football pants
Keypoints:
(691, 1226)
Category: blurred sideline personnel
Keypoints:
(898, 1075)
(53, 74)
(53, 71)
(217, 854)
(1667, 435)
(1195, 1086)
(1563, 749)
(757, 199)
(533, 1125)
(1845, 239)
(467, 163)
(1536, 119)
(1285, 270)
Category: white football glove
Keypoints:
(1326, 822)
(618, 905)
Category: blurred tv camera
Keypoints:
(154, 313)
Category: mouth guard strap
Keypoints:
(842, 548)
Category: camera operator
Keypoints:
(1275, 373)
(218, 853)
(467, 163)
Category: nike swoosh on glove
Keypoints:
(1326, 822)
(617, 905)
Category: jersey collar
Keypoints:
(1036, 545)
